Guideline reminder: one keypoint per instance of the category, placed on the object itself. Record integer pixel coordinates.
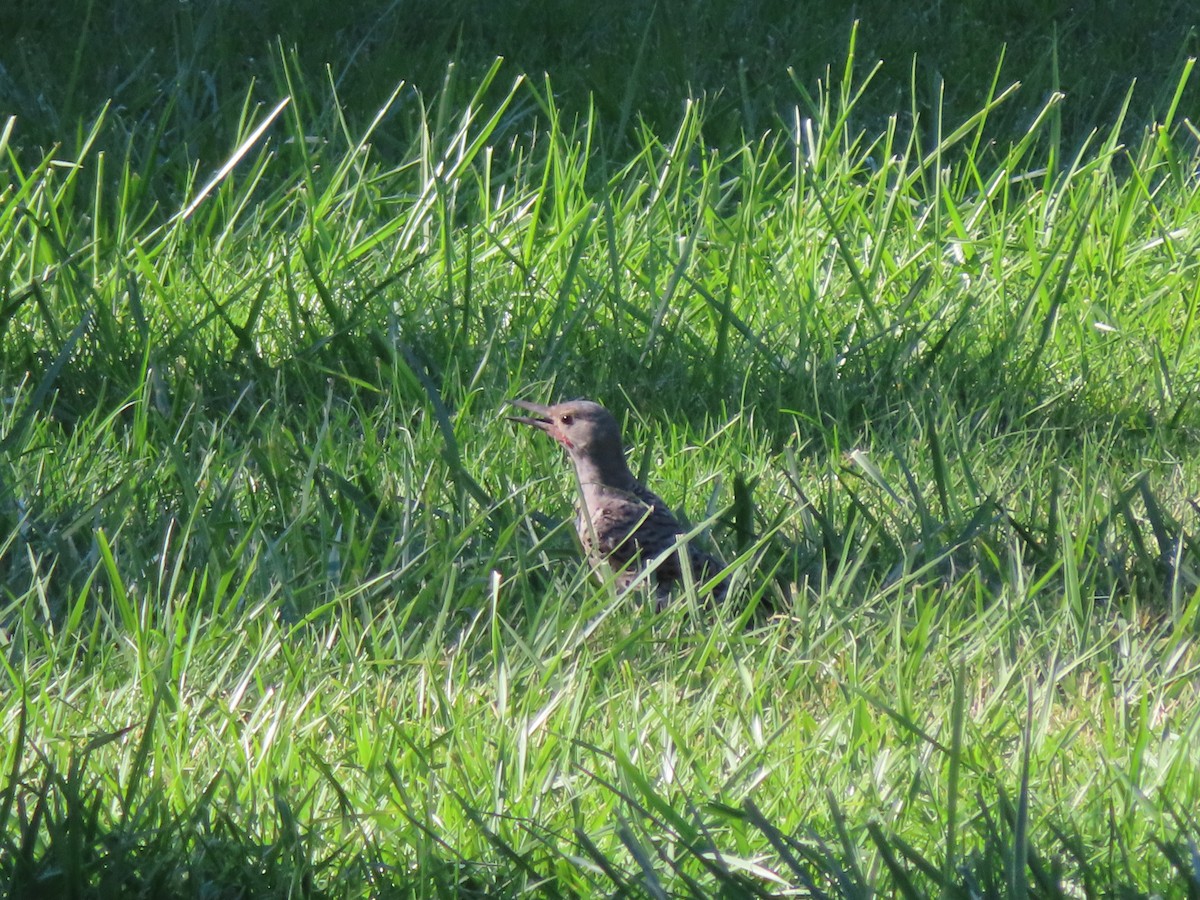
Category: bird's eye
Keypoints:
(567, 419)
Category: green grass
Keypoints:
(180, 66)
(289, 608)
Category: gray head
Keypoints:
(587, 430)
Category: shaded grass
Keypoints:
(184, 67)
(288, 607)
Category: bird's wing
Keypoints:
(627, 530)
(623, 528)
(704, 565)
(660, 530)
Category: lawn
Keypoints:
(291, 609)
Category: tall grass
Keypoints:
(290, 609)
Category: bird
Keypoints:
(621, 523)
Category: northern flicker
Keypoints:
(621, 523)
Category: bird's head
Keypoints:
(587, 430)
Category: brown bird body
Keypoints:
(621, 523)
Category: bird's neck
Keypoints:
(610, 471)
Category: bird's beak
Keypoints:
(540, 419)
